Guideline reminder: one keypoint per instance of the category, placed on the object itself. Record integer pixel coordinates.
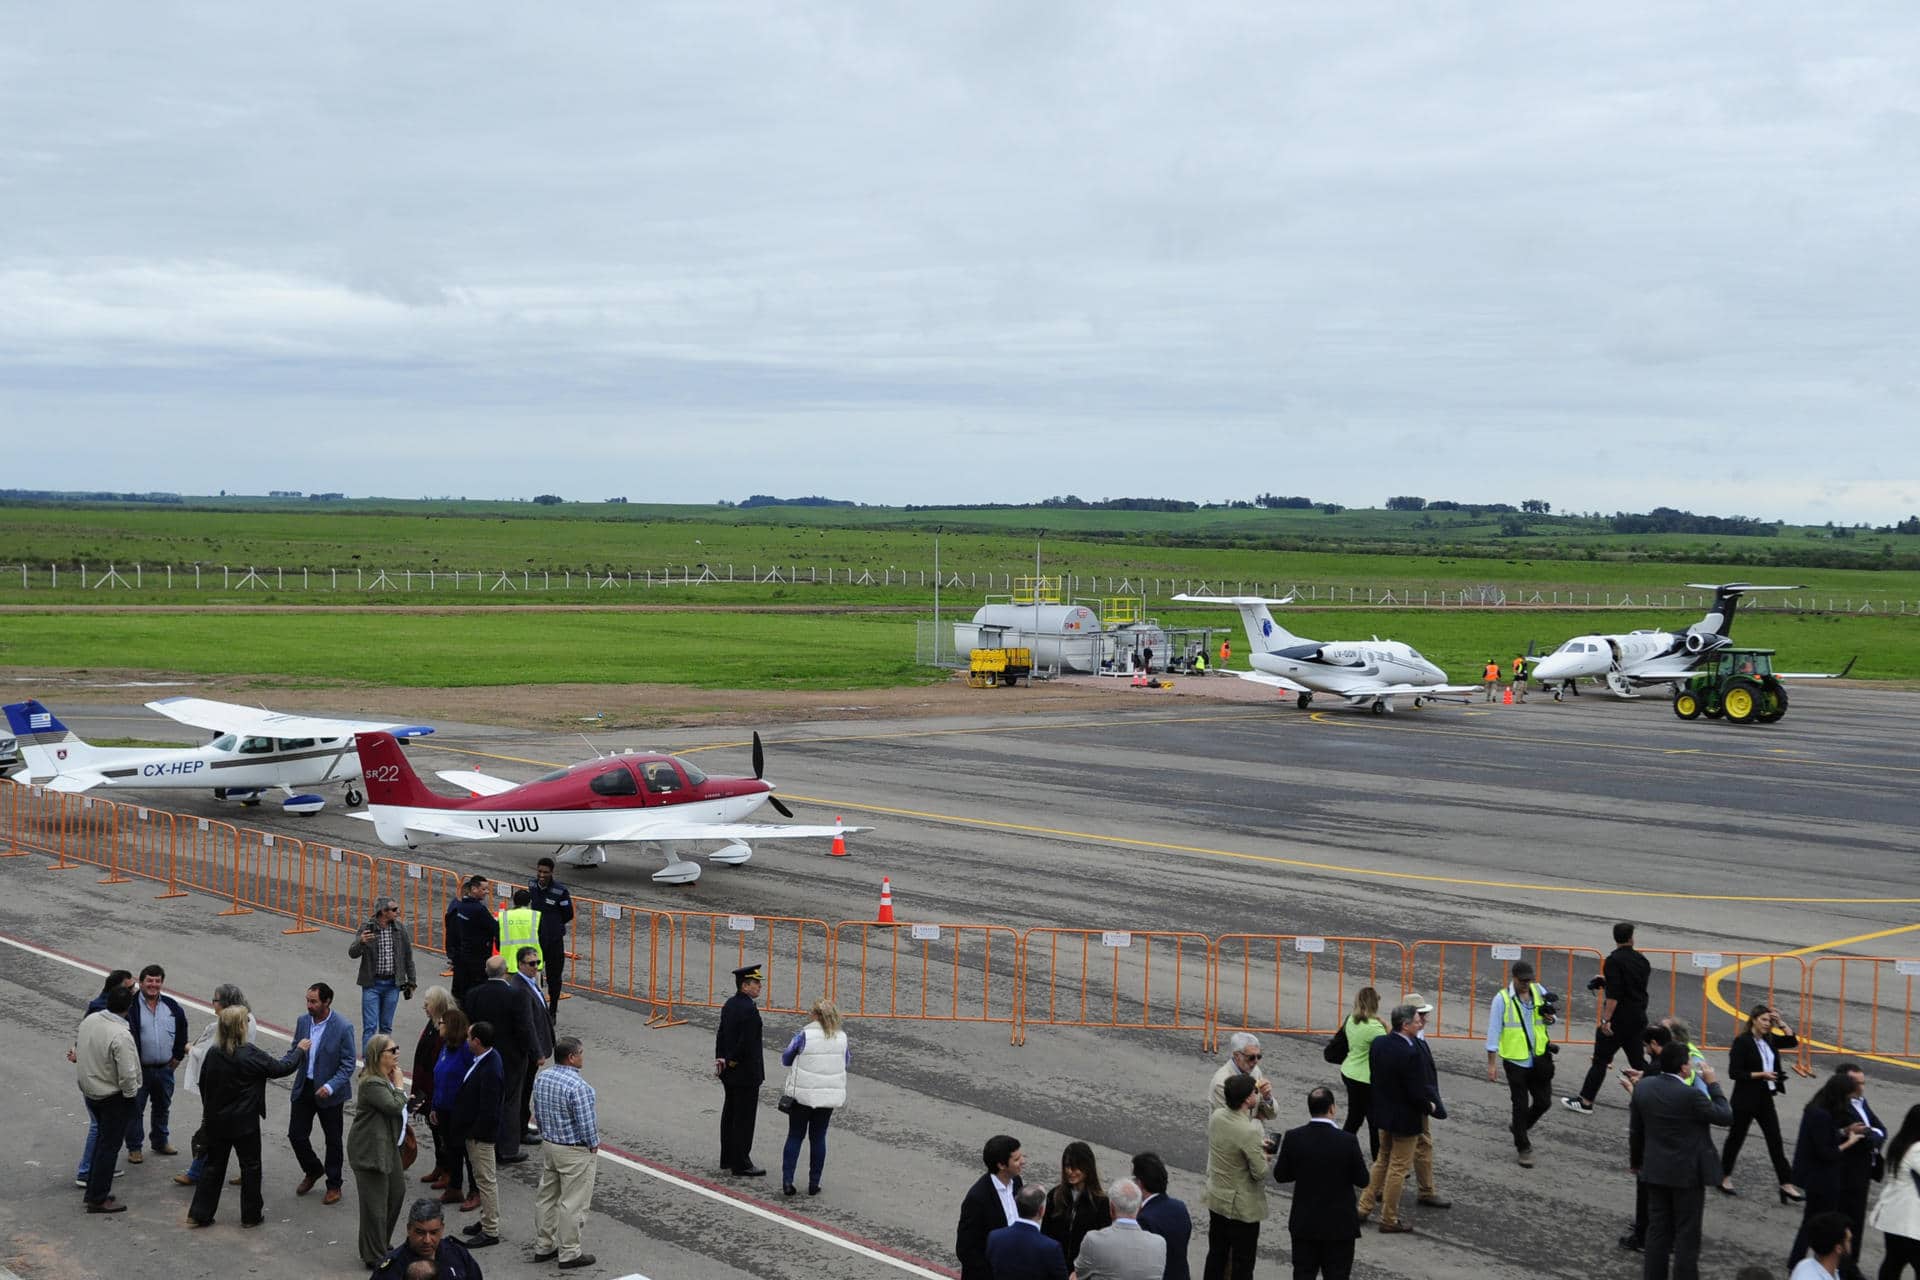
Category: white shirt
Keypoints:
(1809, 1268)
(1496, 1015)
(1766, 1054)
(1005, 1189)
(476, 1062)
(1326, 1120)
(1860, 1109)
(313, 1048)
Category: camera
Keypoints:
(1549, 1007)
(1597, 983)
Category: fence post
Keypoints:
(300, 924)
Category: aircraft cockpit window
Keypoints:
(555, 776)
(614, 782)
(694, 776)
(256, 746)
(295, 744)
(225, 742)
(661, 778)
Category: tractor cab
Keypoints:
(1737, 684)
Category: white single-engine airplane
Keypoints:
(254, 750)
(1368, 673)
(628, 798)
(1626, 662)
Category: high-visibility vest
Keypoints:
(1226, 651)
(519, 927)
(1492, 672)
(1519, 667)
(1513, 1030)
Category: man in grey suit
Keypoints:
(1670, 1145)
(1122, 1251)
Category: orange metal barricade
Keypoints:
(13, 802)
(795, 955)
(424, 894)
(1148, 980)
(1678, 988)
(203, 856)
(336, 889)
(36, 823)
(1459, 978)
(624, 952)
(1862, 1007)
(1298, 984)
(266, 873)
(928, 972)
(147, 840)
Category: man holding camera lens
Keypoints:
(1622, 985)
(1517, 1040)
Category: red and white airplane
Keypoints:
(620, 799)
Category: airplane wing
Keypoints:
(1841, 674)
(1664, 671)
(1388, 690)
(73, 782)
(438, 825)
(483, 784)
(1272, 681)
(674, 829)
(227, 717)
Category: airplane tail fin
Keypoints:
(1718, 619)
(390, 778)
(1264, 635)
(48, 747)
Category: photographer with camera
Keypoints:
(1517, 1040)
(1622, 985)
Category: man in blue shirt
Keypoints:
(159, 1027)
(563, 1103)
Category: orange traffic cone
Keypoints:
(1508, 699)
(839, 849)
(886, 902)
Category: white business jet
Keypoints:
(253, 750)
(1367, 673)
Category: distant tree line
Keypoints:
(768, 500)
(1669, 520)
(74, 495)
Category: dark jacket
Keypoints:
(1743, 1059)
(553, 906)
(402, 956)
(1068, 1218)
(179, 1053)
(1863, 1162)
(1817, 1155)
(233, 1087)
(426, 1052)
(1168, 1218)
(476, 1107)
(1669, 1131)
(1402, 1096)
(471, 931)
(1019, 1252)
(540, 1014)
(739, 1043)
(456, 1263)
(980, 1217)
(1325, 1165)
(505, 1005)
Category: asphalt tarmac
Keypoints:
(1536, 824)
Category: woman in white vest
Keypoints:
(816, 1060)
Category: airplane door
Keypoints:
(1614, 646)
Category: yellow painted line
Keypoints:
(1714, 979)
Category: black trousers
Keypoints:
(507, 1143)
(554, 957)
(1816, 1204)
(331, 1112)
(1532, 1090)
(1231, 1245)
(1769, 1121)
(738, 1112)
(1902, 1252)
(1673, 1229)
(1853, 1203)
(213, 1176)
(1627, 1030)
(111, 1114)
(1332, 1259)
(467, 974)
(1359, 1102)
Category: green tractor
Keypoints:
(1736, 683)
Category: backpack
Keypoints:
(1336, 1051)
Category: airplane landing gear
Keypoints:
(1379, 707)
(731, 856)
(353, 796)
(1304, 701)
(587, 857)
(681, 872)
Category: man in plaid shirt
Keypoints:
(563, 1108)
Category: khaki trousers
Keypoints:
(486, 1185)
(1423, 1157)
(1389, 1175)
(566, 1192)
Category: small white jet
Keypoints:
(1367, 673)
(629, 798)
(1626, 662)
(253, 750)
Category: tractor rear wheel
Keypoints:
(1742, 701)
(1686, 705)
(1773, 701)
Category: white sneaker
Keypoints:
(1574, 1104)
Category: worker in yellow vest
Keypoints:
(519, 927)
(1491, 674)
(1519, 678)
(1517, 1042)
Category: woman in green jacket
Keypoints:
(373, 1147)
(1363, 1027)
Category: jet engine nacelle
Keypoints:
(1695, 642)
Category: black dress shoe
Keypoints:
(548, 1256)
(750, 1171)
(584, 1260)
(482, 1242)
(471, 1229)
(519, 1159)
(813, 1189)
(788, 1189)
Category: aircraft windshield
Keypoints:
(555, 776)
(224, 742)
(694, 776)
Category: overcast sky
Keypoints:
(1613, 256)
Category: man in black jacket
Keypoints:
(1623, 1015)
(1861, 1165)
(508, 1006)
(739, 1060)
(1670, 1145)
(476, 1120)
(1162, 1214)
(989, 1205)
(472, 934)
(1325, 1164)
(554, 906)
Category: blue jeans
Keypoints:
(809, 1123)
(156, 1091)
(377, 1005)
(86, 1152)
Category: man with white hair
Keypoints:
(1122, 1251)
(1243, 1059)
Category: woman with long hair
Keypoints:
(426, 1052)
(1079, 1203)
(816, 1060)
(373, 1147)
(233, 1089)
(1828, 1127)
(1363, 1027)
(1898, 1210)
(1757, 1068)
(449, 1069)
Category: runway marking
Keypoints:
(1714, 979)
(612, 1155)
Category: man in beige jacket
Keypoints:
(1236, 1181)
(107, 1064)
(1243, 1059)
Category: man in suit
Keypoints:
(1123, 1251)
(740, 1060)
(508, 1007)
(1236, 1183)
(990, 1203)
(529, 977)
(1404, 1098)
(1021, 1251)
(1161, 1214)
(476, 1119)
(321, 1085)
(1324, 1163)
(1670, 1145)
(1861, 1165)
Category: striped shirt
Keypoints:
(563, 1108)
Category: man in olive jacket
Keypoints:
(1236, 1181)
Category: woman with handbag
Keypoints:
(1361, 1029)
(816, 1060)
(1757, 1068)
(374, 1147)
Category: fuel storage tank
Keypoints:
(1066, 636)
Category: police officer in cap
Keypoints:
(739, 1061)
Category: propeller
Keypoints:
(759, 773)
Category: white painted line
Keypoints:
(612, 1156)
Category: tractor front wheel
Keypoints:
(1686, 705)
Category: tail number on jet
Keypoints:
(165, 768)
(497, 825)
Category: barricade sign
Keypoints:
(1459, 980)
(1682, 986)
(795, 955)
(928, 972)
(1303, 984)
(1158, 981)
(1862, 1007)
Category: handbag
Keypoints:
(1336, 1051)
(786, 1102)
(409, 1148)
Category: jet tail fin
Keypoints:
(48, 747)
(390, 778)
(1718, 620)
(1263, 634)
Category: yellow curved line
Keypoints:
(1714, 979)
